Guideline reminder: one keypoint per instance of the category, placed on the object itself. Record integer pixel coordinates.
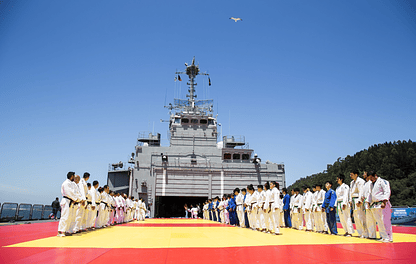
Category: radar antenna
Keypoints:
(192, 105)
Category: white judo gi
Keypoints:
(70, 195)
(381, 192)
(343, 193)
(356, 190)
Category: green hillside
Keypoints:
(395, 162)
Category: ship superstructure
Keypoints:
(198, 163)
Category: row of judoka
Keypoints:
(86, 207)
(367, 197)
(259, 209)
(314, 210)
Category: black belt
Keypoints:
(97, 203)
(89, 202)
(71, 201)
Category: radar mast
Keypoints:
(191, 105)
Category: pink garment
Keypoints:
(387, 221)
(226, 213)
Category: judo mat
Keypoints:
(196, 240)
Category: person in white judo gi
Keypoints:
(356, 189)
(343, 205)
(70, 195)
(380, 203)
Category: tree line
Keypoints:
(395, 162)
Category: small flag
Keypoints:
(179, 78)
(209, 81)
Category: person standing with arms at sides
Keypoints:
(79, 208)
(254, 198)
(55, 207)
(211, 209)
(275, 207)
(73, 220)
(221, 210)
(248, 205)
(307, 208)
(329, 206)
(214, 209)
(231, 209)
(185, 207)
(299, 206)
(95, 199)
(112, 209)
(319, 213)
(84, 191)
(267, 208)
(217, 210)
(296, 209)
(292, 205)
(380, 196)
(356, 189)
(313, 211)
(245, 216)
(366, 200)
(70, 196)
(226, 213)
(118, 208)
(286, 208)
(261, 198)
(89, 206)
(142, 209)
(205, 209)
(239, 199)
(343, 205)
(134, 208)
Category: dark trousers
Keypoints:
(55, 211)
(246, 220)
(210, 215)
(233, 217)
(332, 221)
(214, 216)
(288, 222)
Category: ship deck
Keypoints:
(196, 240)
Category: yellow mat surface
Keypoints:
(186, 237)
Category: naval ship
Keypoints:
(197, 165)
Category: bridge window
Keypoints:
(194, 121)
(210, 121)
(236, 156)
(185, 120)
(203, 121)
(245, 156)
(177, 120)
(227, 156)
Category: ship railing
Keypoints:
(191, 134)
(234, 139)
(147, 135)
(25, 212)
(119, 166)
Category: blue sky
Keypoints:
(305, 82)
